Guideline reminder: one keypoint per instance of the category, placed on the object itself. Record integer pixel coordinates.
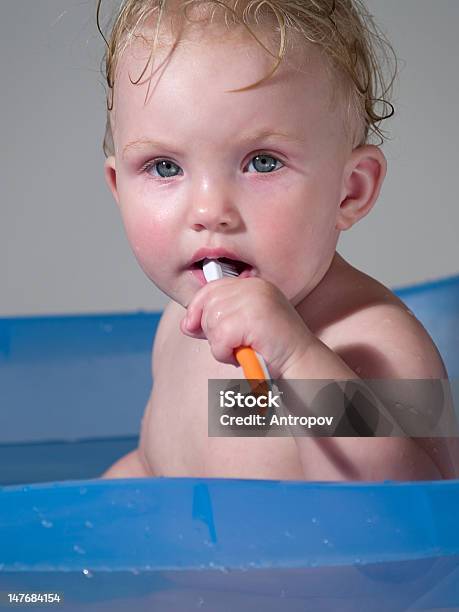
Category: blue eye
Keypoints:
(264, 163)
(166, 168)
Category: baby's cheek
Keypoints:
(149, 240)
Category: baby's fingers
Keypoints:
(223, 341)
(192, 327)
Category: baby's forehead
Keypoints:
(300, 56)
(223, 54)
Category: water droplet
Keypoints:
(358, 370)
(83, 490)
(47, 524)
(288, 534)
(282, 594)
(87, 573)
(325, 541)
(180, 536)
(135, 572)
(200, 602)
(314, 520)
(79, 550)
(88, 524)
(357, 560)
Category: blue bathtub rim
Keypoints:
(425, 484)
(423, 512)
(427, 285)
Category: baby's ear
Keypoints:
(363, 176)
(110, 176)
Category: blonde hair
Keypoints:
(357, 51)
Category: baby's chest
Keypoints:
(177, 426)
(176, 439)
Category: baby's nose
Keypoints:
(214, 212)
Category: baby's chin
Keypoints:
(179, 295)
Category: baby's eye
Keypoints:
(264, 163)
(164, 167)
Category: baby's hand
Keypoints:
(232, 312)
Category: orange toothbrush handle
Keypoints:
(251, 367)
(249, 362)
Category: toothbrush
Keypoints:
(252, 363)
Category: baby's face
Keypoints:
(258, 173)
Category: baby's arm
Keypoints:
(403, 351)
(135, 464)
(131, 465)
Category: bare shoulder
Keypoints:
(378, 337)
(387, 341)
(376, 334)
(166, 331)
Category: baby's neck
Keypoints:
(316, 305)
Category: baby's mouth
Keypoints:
(237, 264)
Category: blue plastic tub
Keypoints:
(185, 544)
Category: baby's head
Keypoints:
(243, 126)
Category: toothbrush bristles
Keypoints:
(228, 269)
(214, 269)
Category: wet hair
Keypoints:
(356, 51)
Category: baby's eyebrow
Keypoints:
(245, 139)
(144, 142)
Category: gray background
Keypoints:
(63, 248)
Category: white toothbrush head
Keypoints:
(214, 269)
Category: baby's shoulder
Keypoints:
(174, 351)
(379, 337)
(167, 334)
(387, 341)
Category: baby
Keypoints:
(245, 134)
